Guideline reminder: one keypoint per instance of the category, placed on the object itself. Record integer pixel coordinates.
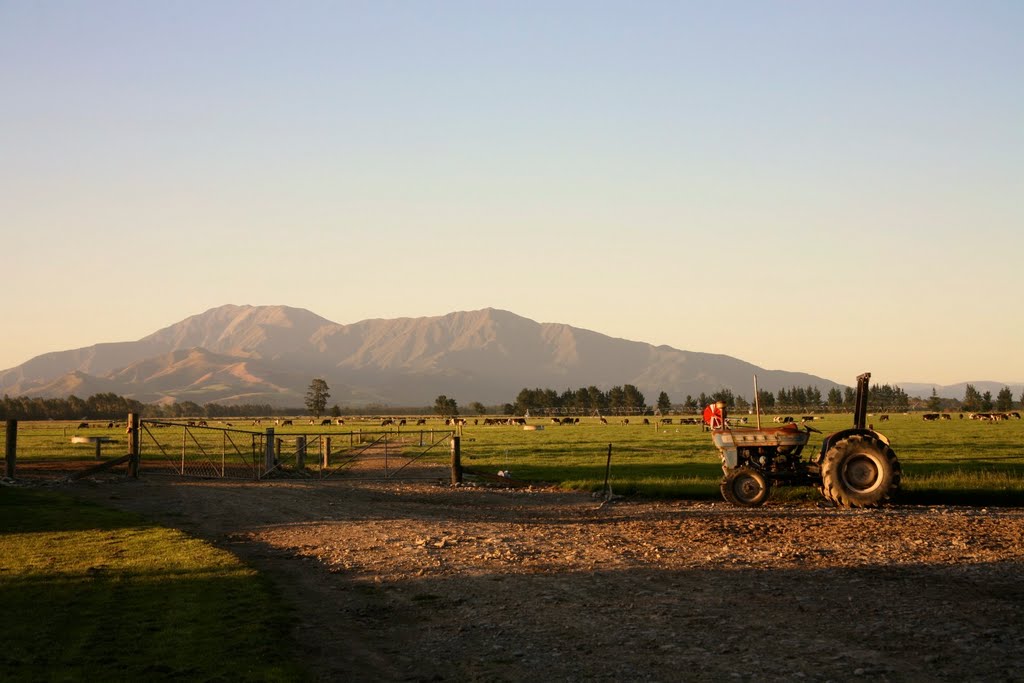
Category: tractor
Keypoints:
(854, 468)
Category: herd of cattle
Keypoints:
(988, 417)
(521, 421)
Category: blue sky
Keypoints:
(829, 187)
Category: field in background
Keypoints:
(956, 461)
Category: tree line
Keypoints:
(625, 400)
(110, 406)
(975, 401)
(628, 399)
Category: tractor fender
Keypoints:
(830, 439)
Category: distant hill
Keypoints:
(268, 354)
(957, 390)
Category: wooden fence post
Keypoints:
(325, 452)
(456, 460)
(134, 446)
(11, 448)
(268, 450)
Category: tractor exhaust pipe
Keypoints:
(860, 410)
(757, 403)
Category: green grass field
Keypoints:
(94, 594)
(956, 462)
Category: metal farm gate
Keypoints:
(386, 455)
(196, 449)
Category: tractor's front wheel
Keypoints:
(745, 486)
(859, 471)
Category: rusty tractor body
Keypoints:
(854, 467)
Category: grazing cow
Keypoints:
(946, 416)
(286, 422)
(202, 423)
(603, 421)
(401, 423)
(556, 421)
(1015, 415)
(83, 425)
(339, 421)
(883, 418)
(386, 421)
(646, 421)
(666, 420)
(625, 420)
(930, 417)
(421, 421)
(324, 423)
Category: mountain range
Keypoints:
(269, 354)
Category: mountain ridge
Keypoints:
(269, 354)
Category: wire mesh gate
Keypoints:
(200, 451)
(388, 455)
(197, 450)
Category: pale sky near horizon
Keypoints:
(821, 187)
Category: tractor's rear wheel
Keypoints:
(859, 471)
(745, 486)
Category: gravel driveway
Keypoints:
(419, 581)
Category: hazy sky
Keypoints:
(829, 187)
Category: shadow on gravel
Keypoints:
(908, 623)
(713, 621)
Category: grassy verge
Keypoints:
(96, 594)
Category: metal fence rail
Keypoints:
(59, 450)
(195, 450)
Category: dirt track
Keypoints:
(425, 582)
